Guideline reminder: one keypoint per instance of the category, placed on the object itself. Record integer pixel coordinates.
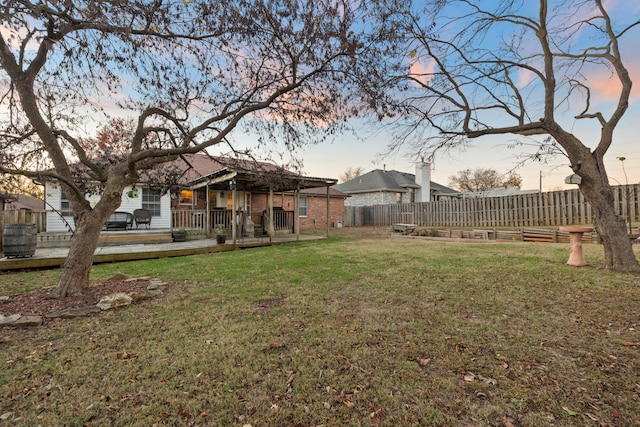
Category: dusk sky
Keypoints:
(331, 160)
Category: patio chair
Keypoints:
(142, 216)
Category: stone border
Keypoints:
(119, 299)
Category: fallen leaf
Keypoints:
(291, 377)
(506, 422)
(570, 412)
(469, 377)
(423, 362)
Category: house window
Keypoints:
(303, 208)
(65, 206)
(186, 197)
(151, 200)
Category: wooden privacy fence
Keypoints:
(22, 216)
(566, 207)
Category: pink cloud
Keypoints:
(422, 72)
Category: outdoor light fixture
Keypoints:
(232, 184)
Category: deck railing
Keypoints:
(190, 219)
(283, 221)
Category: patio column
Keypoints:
(270, 229)
(234, 227)
(207, 214)
(328, 209)
(296, 212)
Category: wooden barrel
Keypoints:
(19, 240)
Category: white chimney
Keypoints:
(423, 179)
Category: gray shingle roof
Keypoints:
(387, 180)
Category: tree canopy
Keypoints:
(532, 70)
(481, 179)
(350, 173)
(188, 72)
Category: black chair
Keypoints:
(142, 216)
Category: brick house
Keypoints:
(227, 193)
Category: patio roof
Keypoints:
(250, 175)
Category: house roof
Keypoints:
(387, 180)
(21, 201)
(201, 169)
(322, 192)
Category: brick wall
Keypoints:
(317, 208)
(378, 198)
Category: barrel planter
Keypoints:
(19, 240)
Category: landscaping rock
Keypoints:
(156, 284)
(119, 276)
(4, 298)
(144, 295)
(28, 320)
(70, 313)
(119, 299)
(8, 320)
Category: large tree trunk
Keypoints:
(77, 266)
(618, 252)
(611, 228)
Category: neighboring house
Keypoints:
(25, 202)
(211, 189)
(383, 187)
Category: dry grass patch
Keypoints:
(350, 331)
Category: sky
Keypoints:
(333, 159)
(330, 160)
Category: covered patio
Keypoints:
(239, 197)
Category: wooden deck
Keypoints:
(55, 257)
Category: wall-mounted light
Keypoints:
(232, 184)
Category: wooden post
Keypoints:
(328, 209)
(296, 212)
(270, 228)
(207, 218)
(234, 228)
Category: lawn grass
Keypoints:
(347, 331)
